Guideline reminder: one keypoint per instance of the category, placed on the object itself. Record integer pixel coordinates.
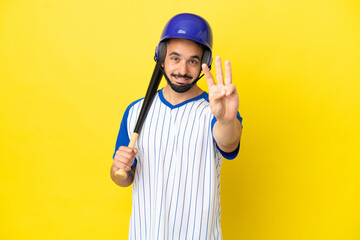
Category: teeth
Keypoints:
(181, 79)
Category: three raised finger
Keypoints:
(219, 73)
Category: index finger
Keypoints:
(208, 76)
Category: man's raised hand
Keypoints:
(223, 97)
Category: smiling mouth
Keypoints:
(181, 79)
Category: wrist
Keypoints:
(226, 123)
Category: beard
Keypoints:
(180, 88)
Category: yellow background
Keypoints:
(69, 68)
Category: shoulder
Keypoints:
(132, 105)
(205, 96)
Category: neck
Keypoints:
(175, 98)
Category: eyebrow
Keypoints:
(179, 55)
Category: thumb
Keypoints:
(135, 151)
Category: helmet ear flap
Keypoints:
(206, 58)
(162, 51)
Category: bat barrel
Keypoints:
(149, 97)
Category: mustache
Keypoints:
(181, 76)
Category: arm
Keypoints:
(123, 156)
(224, 104)
(227, 135)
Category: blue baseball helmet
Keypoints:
(187, 26)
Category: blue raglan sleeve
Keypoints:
(123, 137)
(230, 155)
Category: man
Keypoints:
(175, 164)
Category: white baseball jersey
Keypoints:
(176, 189)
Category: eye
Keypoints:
(175, 59)
(194, 62)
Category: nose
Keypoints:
(182, 68)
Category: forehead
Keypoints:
(184, 46)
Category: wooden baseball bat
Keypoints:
(149, 97)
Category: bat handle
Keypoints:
(121, 174)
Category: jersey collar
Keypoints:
(204, 95)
